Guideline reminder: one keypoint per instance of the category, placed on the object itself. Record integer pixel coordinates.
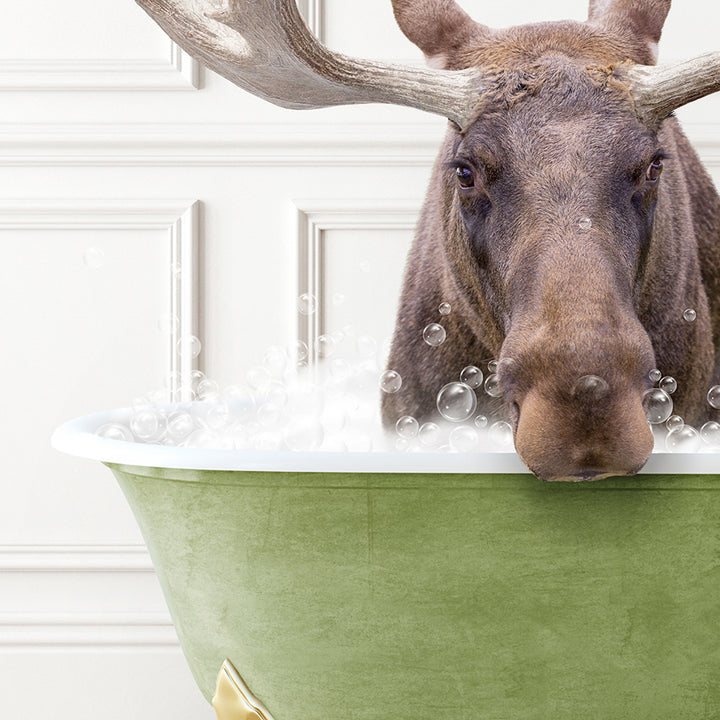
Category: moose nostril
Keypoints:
(590, 387)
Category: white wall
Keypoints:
(111, 140)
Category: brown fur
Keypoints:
(527, 285)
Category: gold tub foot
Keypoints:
(233, 699)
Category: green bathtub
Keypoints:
(366, 593)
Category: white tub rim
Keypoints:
(77, 437)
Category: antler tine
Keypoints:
(658, 90)
(264, 47)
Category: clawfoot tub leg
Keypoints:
(233, 699)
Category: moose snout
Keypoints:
(586, 435)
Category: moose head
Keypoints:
(568, 222)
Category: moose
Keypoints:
(569, 223)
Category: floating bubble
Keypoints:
(501, 433)
(407, 427)
(492, 386)
(114, 431)
(402, 445)
(94, 258)
(269, 414)
(258, 378)
(445, 308)
(366, 346)
(655, 375)
(276, 393)
(590, 387)
(218, 417)
(713, 397)
(338, 299)
(176, 270)
(492, 366)
(481, 422)
(685, 439)
(180, 425)
(710, 433)
(189, 346)
(390, 381)
(674, 422)
(340, 369)
(301, 352)
(658, 405)
(325, 346)
(689, 315)
(456, 402)
(430, 435)
(585, 223)
(145, 423)
(464, 439)
(208, 389)
(434, 334)
(168, 323)
(275, 360)
(472, 376)
(668, 384)
(239, 436)
(307, 304)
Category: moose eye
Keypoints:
(465, 176)
(653, 172)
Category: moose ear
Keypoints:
(642, 20)
(440, 28)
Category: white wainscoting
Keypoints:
(108, 135)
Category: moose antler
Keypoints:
(264, 47)
(660, 89)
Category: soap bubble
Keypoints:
(585, 223)
(325, 346)
(338, 299)
(689, 315)
(674, 422)
(303, 434)
(168, 323)
(94, 258)
(713, 396)
(481, 422)
(145, 423)
(239, 436)
(658, 405)
(208, 389)
(306, 399)
(258, 378)
(218, 416)
(590, 387)
(340, 369)
(407, 427)
(276, 393)
(114, 431)
(456, 402)
(366, 346)
(445, 308)
(275, 360)
(710, 433)
(655, 375)
(492, 366)
(180, 425)
(434, 334)
(268, 415)
(464, 439)
(430, 435)
(501, 433)
(668, 384)
(492, 386)
(301, 352)
(189, 346)
(307, 304)
(390, 381)
(683, 439)
(472, 376)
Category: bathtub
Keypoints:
(310, 586)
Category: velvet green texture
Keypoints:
(419, 597)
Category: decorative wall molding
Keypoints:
(314, 219)
(290, 144)
(312, 12)
(180, 222)
(178, 71)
